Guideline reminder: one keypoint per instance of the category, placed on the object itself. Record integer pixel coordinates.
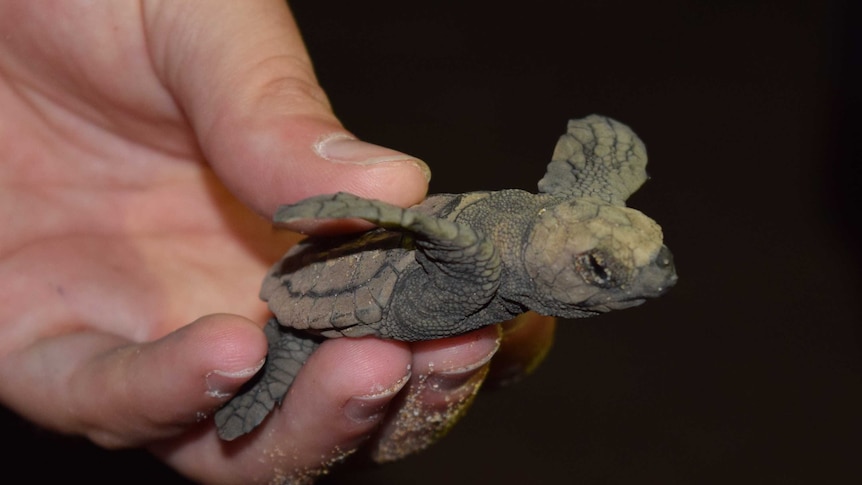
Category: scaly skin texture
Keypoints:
(458, 262)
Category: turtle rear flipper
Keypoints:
(288, 351)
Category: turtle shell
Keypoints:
(338, 286)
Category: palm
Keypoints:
(161, 240)
(157, 258)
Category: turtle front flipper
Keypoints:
(288, 351)
(598, 158)
(462, 267)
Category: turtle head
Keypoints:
(585, 256)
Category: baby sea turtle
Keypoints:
(457, 262)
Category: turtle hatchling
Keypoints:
(458, 262)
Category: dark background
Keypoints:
(750, 370)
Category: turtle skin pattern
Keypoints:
(457, 262)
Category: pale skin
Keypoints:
(143, 148)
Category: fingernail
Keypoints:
(450, 380)
(419, 423)
(343, 148)
(221, 384)
(527, 341)
(513, 325)
(370, 406)
(508, 374)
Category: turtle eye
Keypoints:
(595, 269)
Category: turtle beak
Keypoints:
(621, 304)
(654, 280)
(658, 277)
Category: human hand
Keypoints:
(140, 144)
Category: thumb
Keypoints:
(241, 73)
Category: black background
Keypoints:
(750, 370)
